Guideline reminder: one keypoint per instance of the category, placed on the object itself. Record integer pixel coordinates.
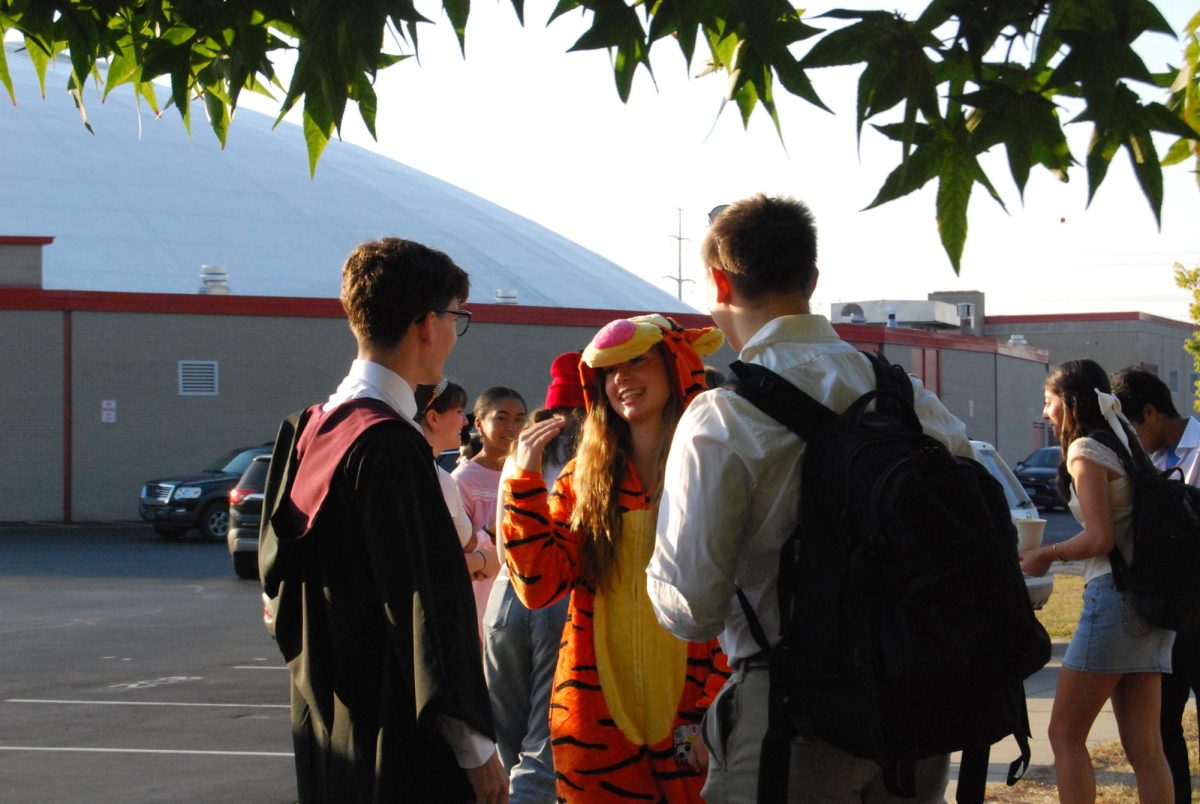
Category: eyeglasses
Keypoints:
(462, 322)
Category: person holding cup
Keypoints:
(1114, 653)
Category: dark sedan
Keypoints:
(1038, 473)
(200, 500)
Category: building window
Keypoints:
(198, 378)
(1173, 380)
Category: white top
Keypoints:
(372, 381)
(454, 503)
(732, 480)
(1120, 500)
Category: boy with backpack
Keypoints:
(1172, 441)
(730, 501)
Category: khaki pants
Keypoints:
(819, 773)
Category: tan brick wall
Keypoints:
(31, 448)
(268, 367)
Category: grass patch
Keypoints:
(1060, 615)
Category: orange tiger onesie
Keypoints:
(628, 696)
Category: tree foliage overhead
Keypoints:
(958, 79)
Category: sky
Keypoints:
(542, 132)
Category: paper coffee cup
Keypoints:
(1029, 533)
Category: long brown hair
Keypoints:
(602, 466)
(1075, 383)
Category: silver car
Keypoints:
(1021, 507)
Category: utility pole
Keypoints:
(679, 279)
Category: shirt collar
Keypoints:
(1191, 435)
(389, 387)
(805, 327)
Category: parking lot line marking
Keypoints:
(257, 667)
(144, 703)
(148, 751)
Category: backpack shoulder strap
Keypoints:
(780, 400)
(891, 377)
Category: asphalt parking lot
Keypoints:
(134, 669)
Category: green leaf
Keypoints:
(1179, 151)
(316, 134)
(218, 115)
(914, 172)
(39, 54)
(362, 93)
(122, 68)
(853, 44)
(1026, 123)
(5, 78)
(519, 7)
(953, 196)
(458, 11)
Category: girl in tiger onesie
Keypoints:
(628, 696)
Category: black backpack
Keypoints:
(1162, 575)
(906, 627)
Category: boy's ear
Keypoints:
(423, 326)
(722, 284)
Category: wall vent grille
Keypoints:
(198, 378)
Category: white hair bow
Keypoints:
(1110, 409)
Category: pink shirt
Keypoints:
(479, 487)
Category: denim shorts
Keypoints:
(1113, 638)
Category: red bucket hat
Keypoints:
(565, 390)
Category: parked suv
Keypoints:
(1020, 507)
(1038, 473)
(197, 500)
(245, 512)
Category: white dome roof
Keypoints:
(145, 213)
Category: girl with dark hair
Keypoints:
(440, 414)
(1114, 654)
(499, 417)
(520, 646)
(628, 696)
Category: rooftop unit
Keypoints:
(927, 315)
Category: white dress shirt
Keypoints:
(1188, 452)
(373, 381)
(732, 480)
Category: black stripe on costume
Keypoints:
(607, 721)
(528, 580)
(693, 389)
(510, 543)
(691, 717)
(585, 612)
(666, 753)
(636, 757)
(678, 774)
(693, 680)
(524, 495)
(557, 706)
(562, 777)
(567, 739)
(517, 510)
(575, 683)
(617, 791)
(584, 668)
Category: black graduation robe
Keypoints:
(376, 618)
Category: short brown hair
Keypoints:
(389, 284)
(765, 245)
